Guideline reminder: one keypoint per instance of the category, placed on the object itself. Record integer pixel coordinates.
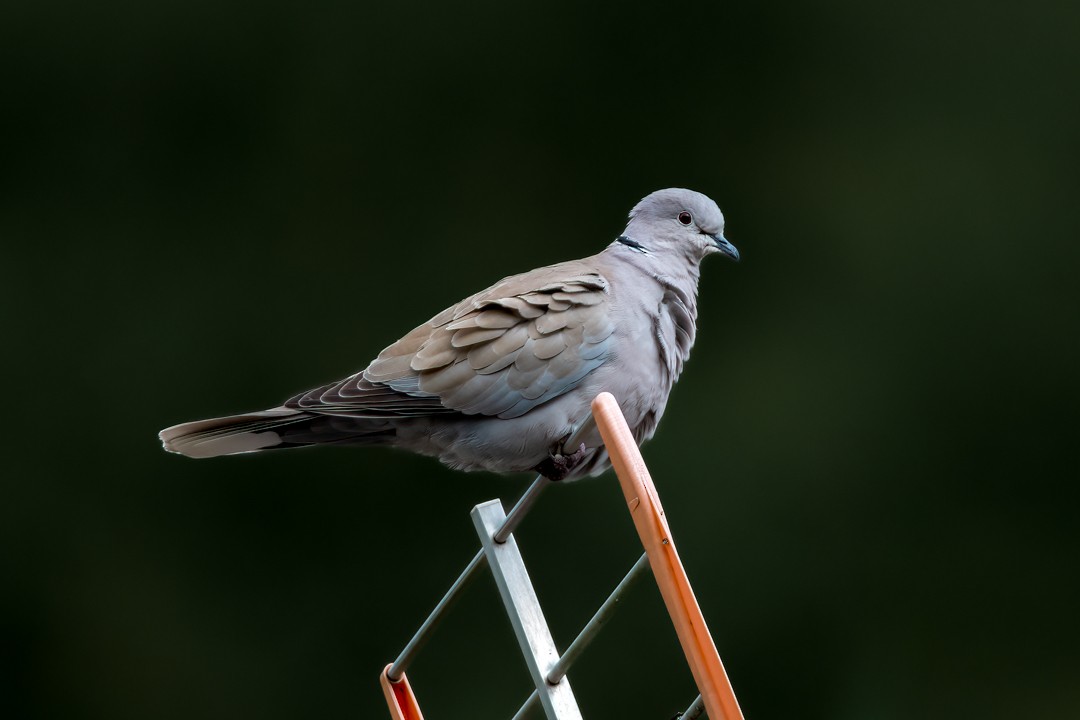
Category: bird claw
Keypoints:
(556, 467)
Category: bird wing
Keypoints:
(525, 340)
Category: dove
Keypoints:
(503, 380)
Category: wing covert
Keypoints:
(499, 353)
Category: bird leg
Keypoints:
(556, 466)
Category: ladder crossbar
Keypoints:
(591, 630)
(695, 711)
(521, 507)
(420, 638)
(527, 707)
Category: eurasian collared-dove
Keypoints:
(503, 380)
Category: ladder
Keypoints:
(547, 668)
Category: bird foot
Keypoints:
(556, 467)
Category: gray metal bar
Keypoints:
(420, 638)
(524, 710)
(695, 711)
(592, 628)
(521, 507)
(523, 608)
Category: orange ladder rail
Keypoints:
(652, 527)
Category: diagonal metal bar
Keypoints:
(592, 628)
(695, 711)
(527, 707)
(588, 633)
(521, 507)
(523, 608)
(424, 633)
(420, 638)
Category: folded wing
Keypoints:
(500, 353)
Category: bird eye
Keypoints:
(685, 218)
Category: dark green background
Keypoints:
(870, 464)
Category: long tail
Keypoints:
(270, 429)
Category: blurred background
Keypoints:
(870, 464)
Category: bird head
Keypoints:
(679, 221)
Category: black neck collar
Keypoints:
(632, 244)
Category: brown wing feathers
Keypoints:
(498, 353)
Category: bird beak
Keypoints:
(725, 247)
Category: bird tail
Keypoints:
(276, 428)
(234, 434)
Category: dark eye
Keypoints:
(685, 218)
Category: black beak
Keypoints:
(725, 247)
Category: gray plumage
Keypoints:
(503, 380)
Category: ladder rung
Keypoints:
(407, 655)
(521, 507)
(517, 514)
(562, 665)
(695, 711)
(592, 628)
